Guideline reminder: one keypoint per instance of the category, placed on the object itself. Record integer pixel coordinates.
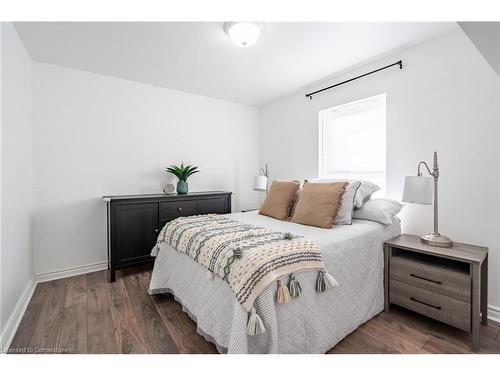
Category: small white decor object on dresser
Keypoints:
(169, 189)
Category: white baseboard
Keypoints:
(494, 313)
(16, 316)
(55, 275)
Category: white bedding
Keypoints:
(315, 322)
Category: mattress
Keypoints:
(313, 323)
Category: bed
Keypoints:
(353, 254)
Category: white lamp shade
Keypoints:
(418, 190)
(260, 183)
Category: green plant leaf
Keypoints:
(182, 172)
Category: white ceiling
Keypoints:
(198, 57)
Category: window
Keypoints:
(352, 141)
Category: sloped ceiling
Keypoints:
(486, 38)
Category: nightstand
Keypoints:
(250, 210)
(446, 284)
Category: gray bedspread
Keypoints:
(315, 322)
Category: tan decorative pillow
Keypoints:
(279, 199)
(319, 203)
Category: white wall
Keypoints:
(16, 172)
(445, 99)
(95, 135)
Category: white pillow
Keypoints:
(381, 210)
(364, 192)
(346, 209)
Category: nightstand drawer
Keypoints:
(443, 308)
(452, 281)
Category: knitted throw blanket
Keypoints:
(248, 257)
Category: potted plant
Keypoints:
(182, 172)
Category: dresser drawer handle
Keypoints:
(426, 304)
(179, 209)
(423, 278)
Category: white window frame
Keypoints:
(321, 122)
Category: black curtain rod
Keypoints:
(400, 63)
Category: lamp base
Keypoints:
(436, 239)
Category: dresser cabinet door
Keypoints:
(136, 230)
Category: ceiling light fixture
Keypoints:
(243, 34)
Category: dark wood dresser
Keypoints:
(134, 221)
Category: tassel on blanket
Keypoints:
(294, 287)
(330, 282)
(325, 281)
(282, 294)
(287, 236)
(255, 325)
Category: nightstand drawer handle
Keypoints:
(179, 209)
(426, 304)
(423, 278)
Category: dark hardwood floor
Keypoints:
(86, 314)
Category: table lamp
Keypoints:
(260, 181)
(421, 190)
